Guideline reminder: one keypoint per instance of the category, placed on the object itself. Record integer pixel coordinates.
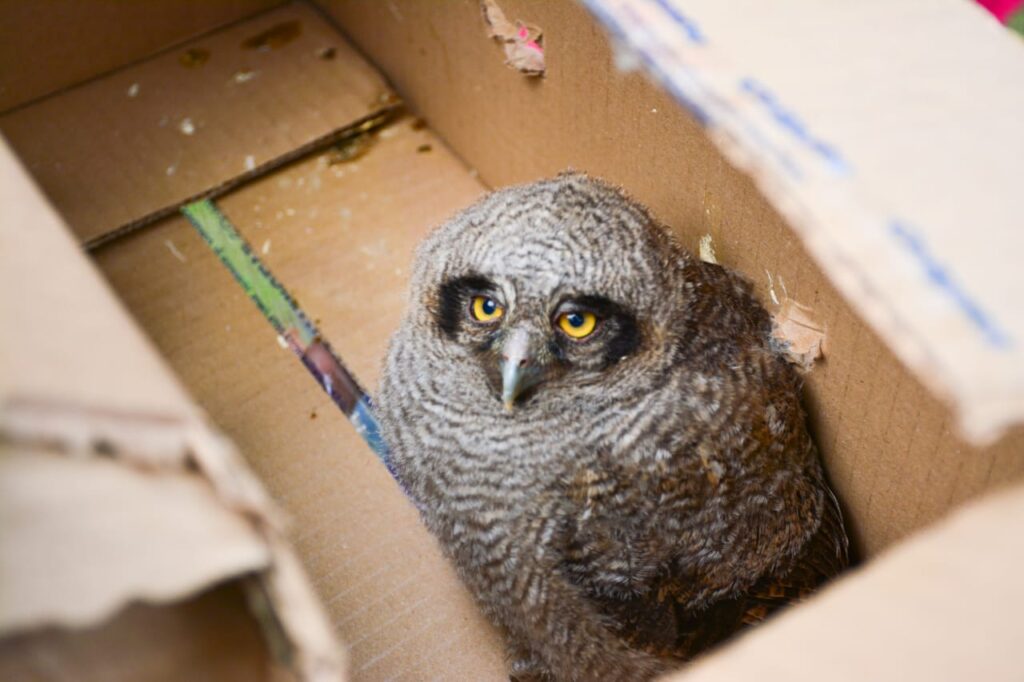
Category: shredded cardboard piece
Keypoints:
(523, 44)
(879, 209)
(706, 250)
(798, 335)
(46, 368)
(148, 441)
(302, 615)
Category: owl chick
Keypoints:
(601, 434)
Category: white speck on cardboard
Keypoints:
(174, 250)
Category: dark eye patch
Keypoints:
(453, 296)
(623, 331)
(624, 341)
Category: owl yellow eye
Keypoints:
(486, 309)
(577, 324)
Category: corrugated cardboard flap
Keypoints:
(92, 419)
(83, 536)
(896, 156)
(944, 605)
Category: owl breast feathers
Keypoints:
(599, 431)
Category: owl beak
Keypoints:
(518, 369)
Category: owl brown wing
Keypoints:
(656, 622)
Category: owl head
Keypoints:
(547, 285)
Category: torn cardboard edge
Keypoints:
(72, 556)
(798, 335)
(166, 446)
(143, 424)
(361, 127)
(905, 614)
(292, 618)
(934, 326)
(523, 43)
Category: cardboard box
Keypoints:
(916, 404)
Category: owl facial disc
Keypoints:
(519, 370)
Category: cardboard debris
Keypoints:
(109, 162)
(706, 250)
(801, 338)
(524, 51)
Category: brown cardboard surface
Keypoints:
(139, 141)
(46, 46)
(77, 377)
(209, 637)
(340, 237)
(892, 448)
(941, 606)
(75, 353)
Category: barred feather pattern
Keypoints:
(657, 491)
